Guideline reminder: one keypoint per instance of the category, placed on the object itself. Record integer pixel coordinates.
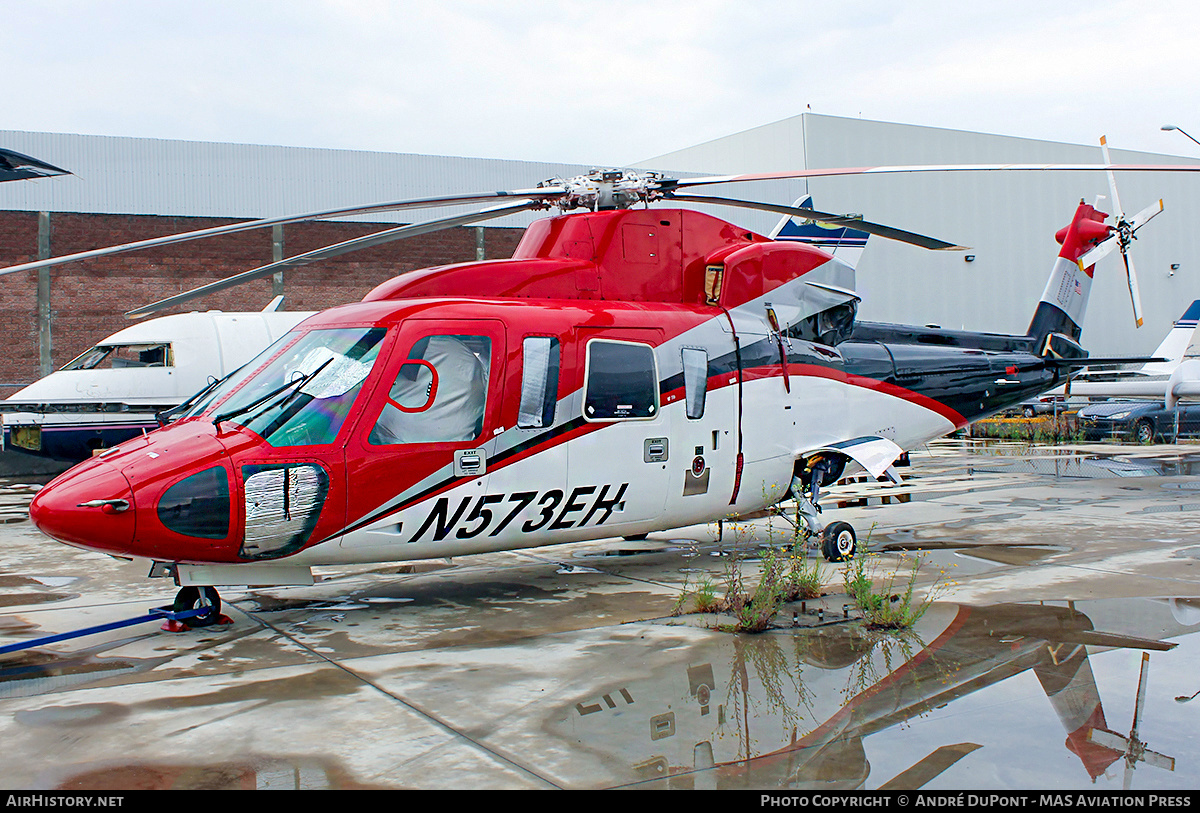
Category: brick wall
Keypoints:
(89, 299)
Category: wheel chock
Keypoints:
(175, 625)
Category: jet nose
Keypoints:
(90, 508)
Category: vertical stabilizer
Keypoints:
(1177, 345)
(844, 243)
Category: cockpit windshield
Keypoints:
(303, 395)
(116, 356)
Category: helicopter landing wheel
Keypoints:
(195, 598)
(838, 542)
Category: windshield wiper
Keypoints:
(164, 417)
(297, 383)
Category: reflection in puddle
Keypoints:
(267, 773)
(804, 708)
(1070, 463)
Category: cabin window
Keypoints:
(622, 381)
(198, 506)
(695, 381)
(539, 382)
(302, 397)
(117, 356)
(439, 393)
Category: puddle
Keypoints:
(251, 773)
(1164, 509)
(83, 714)
(623, 552)
(571, 570)
(973, 559)
(1007, 696)
(420, 594)
(31, 673)
(1090, 465)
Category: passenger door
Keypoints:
(627, 455)
(422, 438)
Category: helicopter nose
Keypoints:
(91, 508)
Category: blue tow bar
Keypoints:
(157, 614)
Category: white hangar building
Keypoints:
(1007, 219)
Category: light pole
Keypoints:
(1173, 127)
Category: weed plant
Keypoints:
(890, 605)
(786, 574)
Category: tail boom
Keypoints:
(1064, 301)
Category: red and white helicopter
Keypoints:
(628, 370)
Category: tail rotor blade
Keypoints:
(1143, 217)
(1134, 296)
(1101, 249)
(1140, 700)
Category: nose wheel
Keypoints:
(199, 598)
(838, 542)
(837, 539)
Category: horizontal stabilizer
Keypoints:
(1107, 361)
(874, 454)
(1184, 383)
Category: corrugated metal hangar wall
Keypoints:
(126, 189)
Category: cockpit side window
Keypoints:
(439, 394)
(117, 356)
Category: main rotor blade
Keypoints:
(929, 767)
(366, 241)
(1112, 179)
(413, 203)
(682, 183)
(877, 229)
(14, 167)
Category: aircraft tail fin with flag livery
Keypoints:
(843, 242)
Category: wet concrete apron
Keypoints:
(1055, 571)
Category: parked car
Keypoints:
(1139, 421)
(1043, 405)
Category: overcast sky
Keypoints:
(600, 83)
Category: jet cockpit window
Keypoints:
(302, 397)
(116, 356)
(622, 381)
(539, 382)
(439, 393)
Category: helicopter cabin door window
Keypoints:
(622, 381)
(539, 382)
(695, 381)
(439, 393)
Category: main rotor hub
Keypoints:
(607, 189)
